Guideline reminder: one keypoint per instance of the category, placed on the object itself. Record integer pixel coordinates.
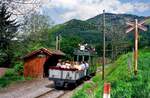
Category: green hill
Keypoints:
(93, 26)
(91, 30)
(123, 82)
(114, 18)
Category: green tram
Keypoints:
(88, 55)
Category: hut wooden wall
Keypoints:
(33, 67)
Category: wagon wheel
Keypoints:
(58, 86)
(72, 85)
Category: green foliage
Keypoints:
(96, 78)
(19, 68)
(148, 21)
(34, 46)
(8, 31)
(123, 82)
(69, 44)
(10, 72)
(10, 77)
(92, 69)
(28, 41)
(82, 92)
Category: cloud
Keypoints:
(84, 9)
(141, 7)
(136, 7)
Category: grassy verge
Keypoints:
(123, 82)
(13, 75)
(9, 77)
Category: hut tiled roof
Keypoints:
(58, 52)
(45, 51)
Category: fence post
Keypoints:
(106, 90)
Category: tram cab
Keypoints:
(86, 54)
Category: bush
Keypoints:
(10, 73)
(19, 68)
(10, 76)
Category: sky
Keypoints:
(64, 10)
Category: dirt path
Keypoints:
(36, 88)
(28, 89)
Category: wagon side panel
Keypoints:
(54, 74)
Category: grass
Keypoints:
(13, 75)
(10, 77)
(123, 82)
(148, 21)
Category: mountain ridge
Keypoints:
(91, 30)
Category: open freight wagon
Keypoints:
(63, 76)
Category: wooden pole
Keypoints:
(56, 42)
(59, 36)
(136, 47)
(103, 44)
(135, 26)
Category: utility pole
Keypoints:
(103, 45)
(57, 42)
(136, 47)
(58, 39)
(136, 25)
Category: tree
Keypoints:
(21, 8)
(8, 31)
(35, 22)
(69, 44)
(36, 30)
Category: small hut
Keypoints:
(37, 63)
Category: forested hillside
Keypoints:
(90, 31)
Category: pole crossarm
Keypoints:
(130, 23)
(139, 25)
(142, 27)
(129, 29)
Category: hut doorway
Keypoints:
(51, 61)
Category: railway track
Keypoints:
(54, 93)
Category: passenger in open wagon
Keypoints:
(77, 66)
(82, 65)
(67, 64)
(59, 63)
(86, 65)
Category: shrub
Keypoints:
(10, 76)
(19, 68)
